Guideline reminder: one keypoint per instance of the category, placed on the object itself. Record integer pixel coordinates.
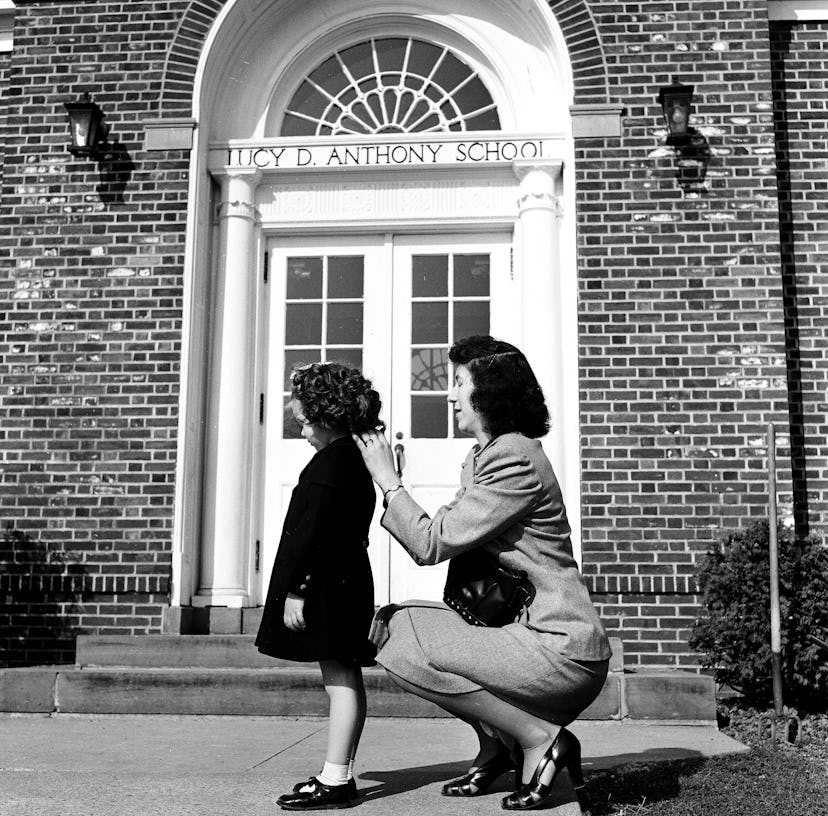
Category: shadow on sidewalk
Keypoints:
(406, 779)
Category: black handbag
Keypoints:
(484, 592)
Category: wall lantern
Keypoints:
(676, 101)
(87, 127)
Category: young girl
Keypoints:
(321, 598)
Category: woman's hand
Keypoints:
(379, 458)
(294, 615)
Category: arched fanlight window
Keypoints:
(385, 86)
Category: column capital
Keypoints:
(538, 185)
(252, 175)
(525, 168)
(238, 193)
(238, 209)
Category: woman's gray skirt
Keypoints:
(434, 648)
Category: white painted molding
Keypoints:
(7, 9)
(591, 121)
(169, 134)
(797, 10)
(387, 202)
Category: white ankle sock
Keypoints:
(350, 769)
(333, 774)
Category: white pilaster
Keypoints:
(540, 277)
(230, 401)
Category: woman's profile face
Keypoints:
(468, 420)
(316, 435)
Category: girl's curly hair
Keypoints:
(337, 397)
(506, 392)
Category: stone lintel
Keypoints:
(169, 133)
(596, 121)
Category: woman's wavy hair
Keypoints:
(336, 397)
(506, 392)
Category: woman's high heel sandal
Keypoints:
(479, 780)
(565, 752)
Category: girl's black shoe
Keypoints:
(565, 752)
(313, 781)
(319, 797)
(480, 779)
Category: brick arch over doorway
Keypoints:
(574, 17)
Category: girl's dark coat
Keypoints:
(323, 557)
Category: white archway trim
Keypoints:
(518, 49)
(249, 51)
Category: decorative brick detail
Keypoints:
(176, 98)
(574, 17)
(589, 68)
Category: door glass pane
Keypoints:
(292, 429)
(303, 324)
(304, 278)
(429, 322)
(344, 323)
(471, 317)
(429, 369)
(429, 417)
(345, 277)
(471, 275)
(351, 357)
(297, 357)
(429, 275)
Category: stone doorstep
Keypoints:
(204, 651)
(664, 696)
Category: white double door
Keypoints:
(391, 305)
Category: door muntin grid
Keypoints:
(450, 299)
(324, 317)
(387, 86)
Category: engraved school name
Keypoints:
(385, 155)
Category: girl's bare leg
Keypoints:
(347, 710)
(532, 733)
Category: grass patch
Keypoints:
(788, 780)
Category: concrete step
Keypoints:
(204, 651)
(173, 651)
(226, 674)
(665, 696)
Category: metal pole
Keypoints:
(776, 636)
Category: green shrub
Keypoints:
(733, 632)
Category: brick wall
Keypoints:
(800, 71)
(682, 351)
(90, 321)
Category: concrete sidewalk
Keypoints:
(80, 765)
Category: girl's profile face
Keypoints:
(316, 435)
(468, 420)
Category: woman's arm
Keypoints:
(505, 488)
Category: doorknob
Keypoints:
(399, 458)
